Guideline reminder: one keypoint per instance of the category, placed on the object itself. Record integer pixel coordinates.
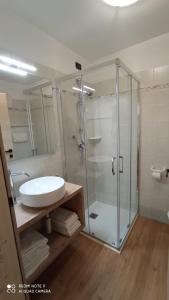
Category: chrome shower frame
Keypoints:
(118, 64)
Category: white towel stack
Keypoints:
(34, 250)
(65, 221)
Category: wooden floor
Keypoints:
(89, 271)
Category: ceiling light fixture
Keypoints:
(120, 3)
(17, 63)
(12, 70)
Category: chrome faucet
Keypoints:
(11, 174)
(20, 173)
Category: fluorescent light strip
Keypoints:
(89, 88)
(12, 70)
(78, 89)
(17, 63)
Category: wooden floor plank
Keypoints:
(89, 271)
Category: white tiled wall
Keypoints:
(42, 165)
(154, 196)
(74, 159)
(101, 121)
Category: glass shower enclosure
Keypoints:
(100, 121)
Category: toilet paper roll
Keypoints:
(157, 175)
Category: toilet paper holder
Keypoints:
(167, 172)
(163, 171)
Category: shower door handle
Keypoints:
(113, 166)
(121, 164)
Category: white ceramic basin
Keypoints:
(42, 191)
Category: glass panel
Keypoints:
(72, 107)
(37, 121)
(101, 146)
(134, 150)
(49, 111)
(99, 116)
(124, 151)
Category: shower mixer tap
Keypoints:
(81, 144)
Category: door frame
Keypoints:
(10, 223)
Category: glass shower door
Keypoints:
(125, 140)
(101, 154)
(72, 108)
(128, 145)
(134, 148)
(99, 117)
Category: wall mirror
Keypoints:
(27, 108)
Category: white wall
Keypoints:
(143, 56)
(154, 195)
(14, 90)
(24, 40)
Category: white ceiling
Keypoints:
(90, 27)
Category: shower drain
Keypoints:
(93, 216)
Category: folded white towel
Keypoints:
(64, 215)
(32, 239)
(34, 250)
(35, 259)
(65, 226)
(67, 223)
(34, 266)
(67, 231)
(30, 251)
(34, 254)
(32, 262)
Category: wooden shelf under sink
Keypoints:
(57, 244)
(27, 217)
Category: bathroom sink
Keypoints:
(42, 191)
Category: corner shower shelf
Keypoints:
(95, 139)
(27, 217)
